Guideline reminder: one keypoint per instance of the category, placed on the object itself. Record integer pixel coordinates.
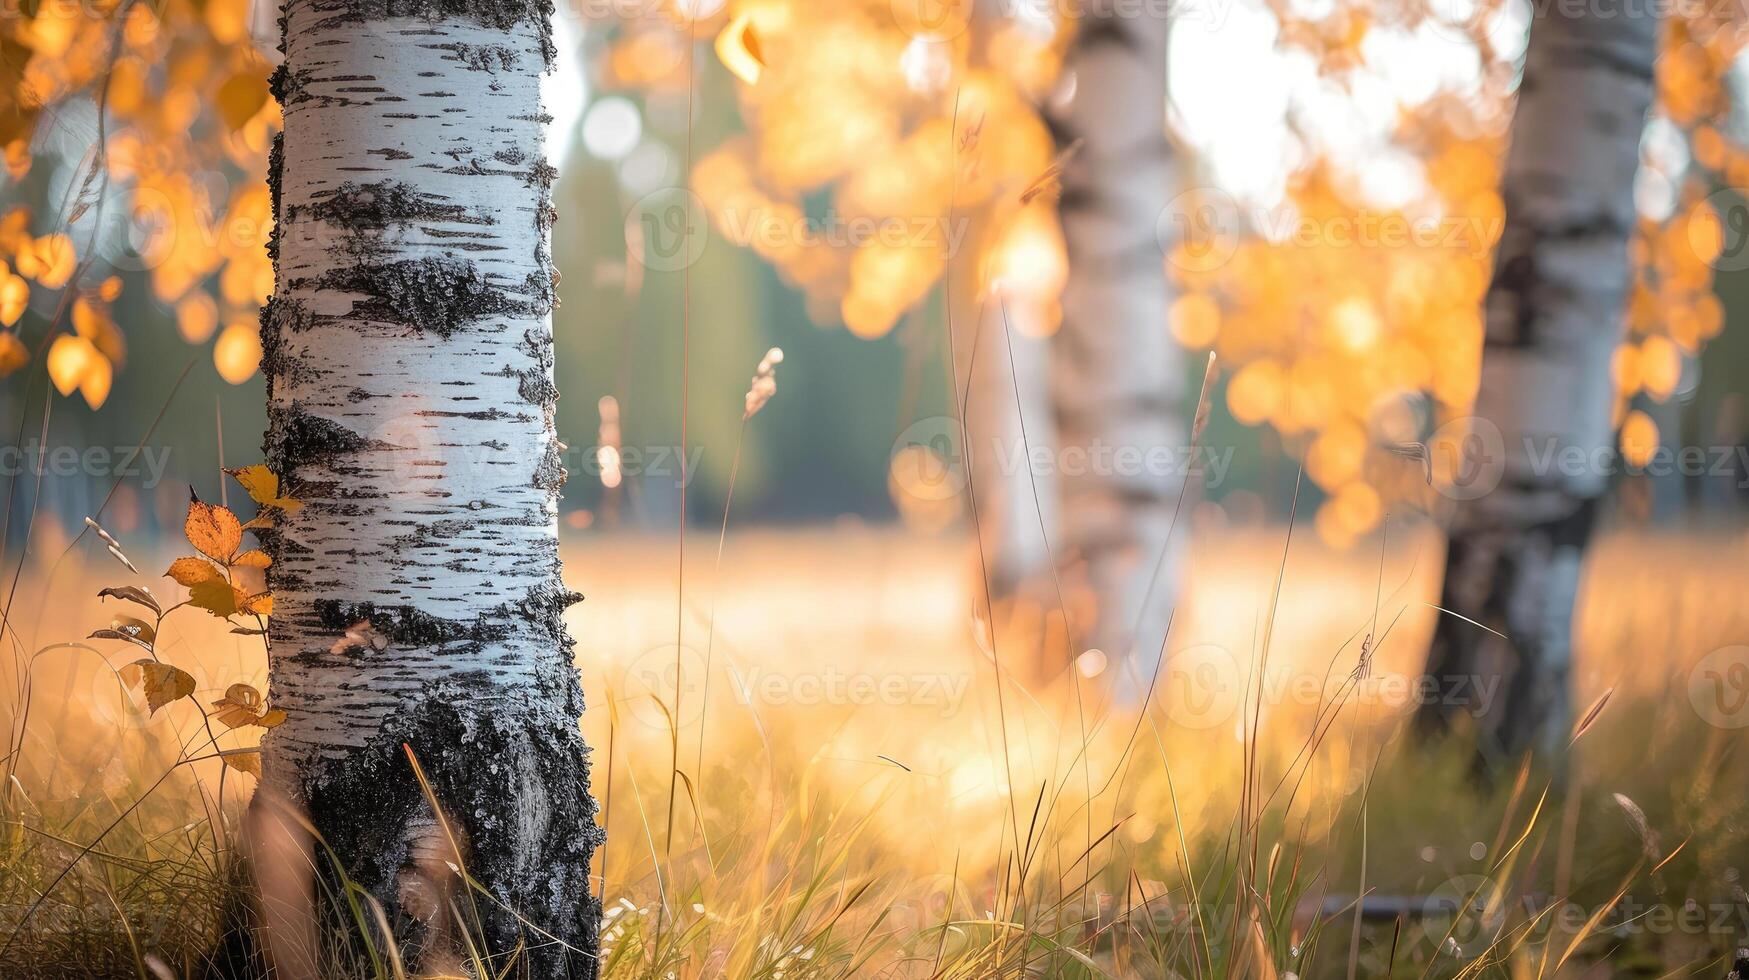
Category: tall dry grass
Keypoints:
(854, 804)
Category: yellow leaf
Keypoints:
(253, 558)
(14, 297)
(191, 571)
(214, 531)
(69, 358)
(738, 47)
(162, 682)
(258, 522)
(240, 97)
(197, 316)
(243, 760)
(99, 375)
(215, 596)
(241, 705)
(13, 353)
(272, 718)
(261, 483)
(237, 352)
(260, 604)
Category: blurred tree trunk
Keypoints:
(1005, 375)
(1554, 314)
(408, 351)
(1116, 377)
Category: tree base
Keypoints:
(514, 814)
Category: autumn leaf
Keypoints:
(262, 485)
(260, 604)
(129, 629)
(214, 531)
(253, 558)
(738, 48)
(215, 596)
(132, 593)
(190, 572)
(240, 97)
(162, 682)
(244, 705)
(259, 482)
(243, 760)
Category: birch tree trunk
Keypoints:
(1116, 375)
(1554, 315)
(408, 350)
(1016, 502)
(1004, 373)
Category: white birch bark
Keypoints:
(1117, 374)
(1003, 376)
(1554, 314)
(1008, 410)
(409, 356)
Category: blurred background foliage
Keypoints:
(1338, 162)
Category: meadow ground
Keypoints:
(871, 786)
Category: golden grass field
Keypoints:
(871, 790)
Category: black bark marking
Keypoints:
(1500, 575)
(1521, 285)
(550, 473)
(500, 14)
(299, 439)
(363, 211)
(491, 58)
(513, 787)
(439, 295)
(406, 626)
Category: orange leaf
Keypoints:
(260, 604)
(190, 572)
(162, 682)
(261, 483)
(243, 760)
(241, 705)
(214, 531)
(253, 558)
(240, 97)
(215, 596)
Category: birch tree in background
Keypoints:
(1004, 372)
(1554, 314)
(1116, 373)
(1006, 378)
(408, 351)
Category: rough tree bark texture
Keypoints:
(1117, 378)
(408, 350)
(1554, 315)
